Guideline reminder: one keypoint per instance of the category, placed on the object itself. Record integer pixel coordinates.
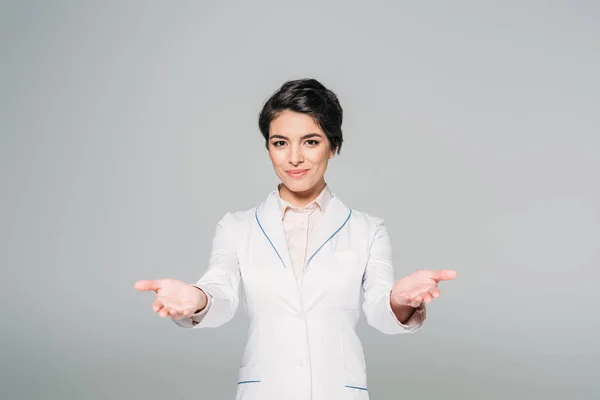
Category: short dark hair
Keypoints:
(306, 96)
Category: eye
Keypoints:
(312, 142)
(279, 143)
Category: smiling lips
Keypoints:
(297, 173)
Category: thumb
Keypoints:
(444, 275)
(147, 285)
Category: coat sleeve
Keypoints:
(378, 279)
(221, 282)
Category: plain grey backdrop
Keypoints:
(129, 128)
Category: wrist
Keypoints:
(403, 312)
(202, 300)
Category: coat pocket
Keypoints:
(355, 370)
(356, 387)
(357, 380)
(248, 385)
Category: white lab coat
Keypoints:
(302, 343)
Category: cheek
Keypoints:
(321, 158)
(276, 158)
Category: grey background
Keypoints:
(129, 128)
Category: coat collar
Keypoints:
(268, 216)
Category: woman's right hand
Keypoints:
(173, 297)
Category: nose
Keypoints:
(296, 156)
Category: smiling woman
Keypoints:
(302, 127)
(299, 158)
(302, 259)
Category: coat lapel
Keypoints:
(335, 217)
(268, 217)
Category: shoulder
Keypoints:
(358, 217)
(247, 216)
(372, 228)
(366, 222)
(234, 225)
(238, 218)
(365, 217)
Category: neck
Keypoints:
(301, 199)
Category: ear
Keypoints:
(331, 154)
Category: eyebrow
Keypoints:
(307, 136)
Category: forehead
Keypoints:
(291, 124)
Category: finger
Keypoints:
(175, 313)
(157, 305)
(164, 312)
(188, 312)
(178, 316)
(147, 285)
(426, 298)
(434, 292)
(445, 275)
(416, 301)
(421, 290)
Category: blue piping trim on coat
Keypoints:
(356, 387)
(243, 382)
(316, 251)
(263, 231)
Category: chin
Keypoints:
(298, 187)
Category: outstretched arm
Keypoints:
(391, 306)
(214, 299)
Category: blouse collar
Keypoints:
(321, 201)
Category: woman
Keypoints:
(302, 259)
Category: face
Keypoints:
(299, 151)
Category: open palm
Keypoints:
(173, 297)
(420, 287)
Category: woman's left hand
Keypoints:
(419, 287)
